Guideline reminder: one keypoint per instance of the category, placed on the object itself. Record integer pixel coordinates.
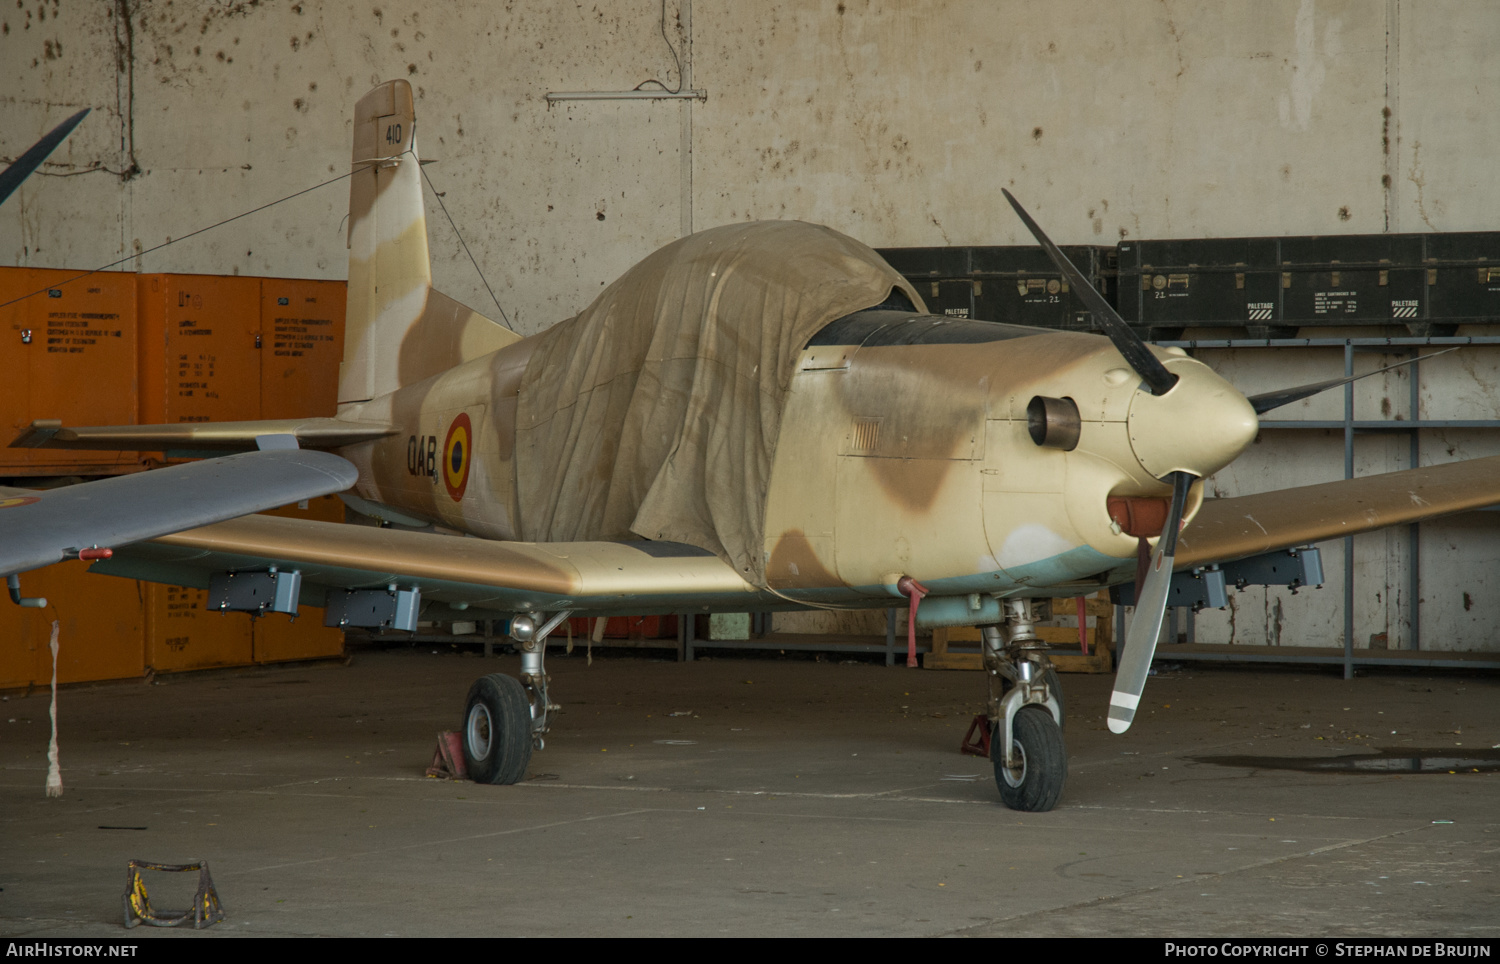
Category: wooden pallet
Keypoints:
(1063, 640)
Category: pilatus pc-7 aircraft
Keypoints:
(760, 416)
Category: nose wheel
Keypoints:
(1032, 779)
(1025, 711)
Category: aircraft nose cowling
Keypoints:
(1199, 426)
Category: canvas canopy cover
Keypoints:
(655, 412)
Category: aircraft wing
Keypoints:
(589, 578)
(1228, 529)
(621, 578)
(38, 528)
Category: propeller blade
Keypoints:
(12, 176)
(1266, 401)
(1150, 607)
(1129, 344)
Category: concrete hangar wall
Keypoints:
(897, 123)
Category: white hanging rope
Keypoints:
(54, 772)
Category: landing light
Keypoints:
(522, 628)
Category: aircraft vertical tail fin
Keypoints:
(398, 330)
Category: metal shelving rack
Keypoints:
(1412, 425)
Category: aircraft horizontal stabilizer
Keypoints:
(43, 527)
(312, 433)
(1247, 525)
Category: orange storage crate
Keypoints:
(183, 633)
(100, 628)
(15, 388)
(199, 354)
(158, 348)
(280, 639)
(72, 351)
(302, 343)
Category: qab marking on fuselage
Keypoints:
(452, 466)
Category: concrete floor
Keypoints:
(795, 798)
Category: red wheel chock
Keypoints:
(977, 741)
(448, 758)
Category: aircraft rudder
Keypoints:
(398, 329)
(389, 266)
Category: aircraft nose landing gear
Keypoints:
(1033, 778)
(1025, 709)
(504, 718)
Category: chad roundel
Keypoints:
(457, 449)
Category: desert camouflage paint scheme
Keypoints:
(904, 447)
(902, 454)
(920, 424)
(893, 458)
(904, 450)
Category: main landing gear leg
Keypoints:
(505, 718)
(1025, 710)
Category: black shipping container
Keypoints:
(1166, 286)
(940, 275)
(1463, 277)
(1013, 284)
(1427, 284)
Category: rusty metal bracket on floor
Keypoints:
(206, 909)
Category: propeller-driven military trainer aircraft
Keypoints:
(760, 416)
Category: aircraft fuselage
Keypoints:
(907, 447)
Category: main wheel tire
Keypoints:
(1037, 784)
(497, 730)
